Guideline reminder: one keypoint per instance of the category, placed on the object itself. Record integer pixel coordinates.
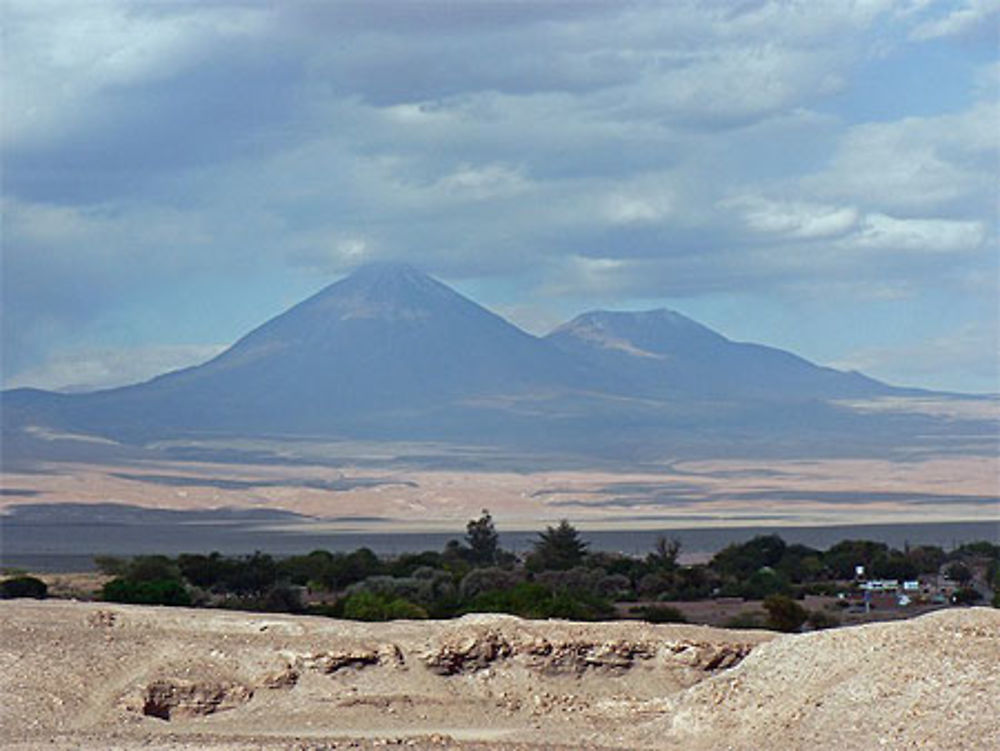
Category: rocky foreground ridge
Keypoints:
(97, 676)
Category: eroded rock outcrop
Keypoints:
(168, 698)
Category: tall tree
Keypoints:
(559, 548)
(664, 555)
(482, 539)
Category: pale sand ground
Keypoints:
(97, 676)
(690, 493)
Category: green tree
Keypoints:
(483, 540)
(742, 560)
(664, 555)
(203, 570)
(842, 558)
(558, 548)
(926, 559)
(959, 572)
(762, 583)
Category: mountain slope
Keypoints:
(384, 338)
(390, 354)
(662, 353)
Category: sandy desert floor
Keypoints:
(680, 494)
(98, 676)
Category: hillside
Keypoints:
(94, 676)
(666, 354)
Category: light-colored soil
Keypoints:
(724, 492)
(81, 586)
(97, 676)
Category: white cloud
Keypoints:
(794, 219)
(482, 182)
(646, 200)
(972, 349)
(881, 232)
(106, 231)
(95, 368)
(917, 162)
(973, 15)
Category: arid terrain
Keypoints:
(100, 676)
(399, 496)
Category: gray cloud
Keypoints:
(599, 151)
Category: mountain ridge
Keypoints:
(390, 353)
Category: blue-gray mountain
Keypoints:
(665, 354)
(388, 353)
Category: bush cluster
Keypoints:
(558, 578)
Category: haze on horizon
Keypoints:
(817, 177)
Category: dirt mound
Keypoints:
(932, 682)
(78, 675)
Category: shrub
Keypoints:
(152, 568)
(532, 600)
(784, 614)
(482, 580)
(661, 614)
(959, 572)
(407, 563)
(614, 587)
(23, 586)
(578, 580)
(966, 596)
(820, 619)
(657, 583)
(746, 619)
(283, 599)
(427, 586)
(371, 606)
(156, 592)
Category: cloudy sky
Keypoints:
(816, 175)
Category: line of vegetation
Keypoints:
(559, 578)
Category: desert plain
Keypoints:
(392, 493)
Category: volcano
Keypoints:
(390, 354)
(386, 341)
(666, 354)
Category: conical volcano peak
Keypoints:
(382, 271)
(387, 290)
